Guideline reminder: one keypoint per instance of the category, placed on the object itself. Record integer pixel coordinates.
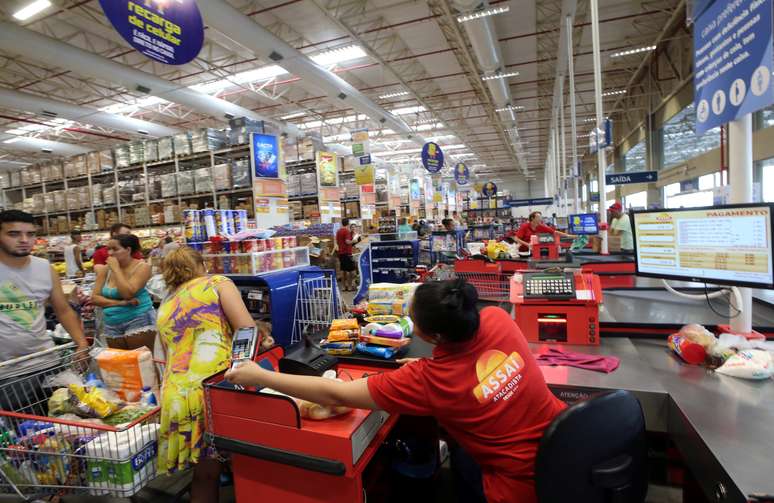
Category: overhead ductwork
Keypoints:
(12, 165)
(230, 22)
(486, 46)
(20, 41)
(39, 145)
(49, 108)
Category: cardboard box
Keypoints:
(121, 155)
(166, 148)
(185, 182)
(240, 174)
(202, 180)
(613, 243)
(168, 185)
(182, 144)
(151, 151)
(221, 177)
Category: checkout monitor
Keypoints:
(584, 224)
(728, 245)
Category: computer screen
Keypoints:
(728, 245)
(584, 223)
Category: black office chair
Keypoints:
(594, 452)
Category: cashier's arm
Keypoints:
(320, 390)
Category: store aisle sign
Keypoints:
(601, 137)
(327, 169)
(461, 173)
(169, 32)
(732, 46)
(634, 177)
(264, 155)
(432, 157)
(361, 145)
(489, 189)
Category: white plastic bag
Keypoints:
(748, 364)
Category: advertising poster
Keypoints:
(264, 156)
(461, 173)
(327, 169)
(360, 143)
(489, 189)
(364, 171)
(415, 193)
(432, 157)
(168, 32)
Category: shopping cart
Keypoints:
(439, 272)
(318, 303)
(47, 456)
(486, 276)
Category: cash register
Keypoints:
(545, 246)
(560, 307)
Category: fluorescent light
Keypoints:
(498, 75)
(408, 110)
(294, 115)
(55, 124)
(393, 95)
(629, 52)
(339, 55)
(337, 138)
(459, 146)
(31, 9)
(246, 77)
(510, 107)
(132, 107)
(615, 92)
(492, 11)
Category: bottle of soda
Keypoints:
(147, 397)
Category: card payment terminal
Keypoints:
(244, 344)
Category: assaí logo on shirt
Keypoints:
(17, 306)
(498, 375)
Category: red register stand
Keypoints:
(571, 321)
(278, 456)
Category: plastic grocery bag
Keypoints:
(748, 364)
(127, 371)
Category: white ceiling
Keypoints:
(408, 34)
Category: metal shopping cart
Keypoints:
(46, 456)
(318, 303)
(486, 276)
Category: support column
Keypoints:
(741, 181)
(598, 102)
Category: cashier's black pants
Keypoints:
(468, 482)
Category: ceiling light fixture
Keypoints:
(478, 14)
(408, 110)
(393, 95)
(629, 52)
(499, 75)
(511, 108)
(615, 92)
(31, 9)
(339, 55)
(294, 115)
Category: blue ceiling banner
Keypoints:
(264, 155)
(733, 61)
(541, 201)
(169, 32)
(461, 174)
(489, 189)
(632, 177)
(432, 157)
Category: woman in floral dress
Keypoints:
(195, 322)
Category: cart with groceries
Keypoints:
(73, 422)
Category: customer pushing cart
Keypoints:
(49, 456)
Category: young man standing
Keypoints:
(72, 255)
(101, 254)
(345, 241)
(620, 225)
(27, 283)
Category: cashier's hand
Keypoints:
(246, 373)
(405, 361)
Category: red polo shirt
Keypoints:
(526, 232)
(489, 394)
(342, 236)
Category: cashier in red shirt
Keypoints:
(482, 385)
(533, 226)
(101, 254)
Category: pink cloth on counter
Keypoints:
(598, 363)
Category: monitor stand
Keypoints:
(752, 335)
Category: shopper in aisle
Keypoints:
(101, 254)
(404, 226)
(620, 225)
(531, 227)
(169, 246)
(27, 284)
(195, 322)
(73, 255)
(129, 318)
(498, 420)
(345, 242)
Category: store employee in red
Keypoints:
(101, 254)
(535, 225)
(482, 385)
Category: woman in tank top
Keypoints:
(130, 320)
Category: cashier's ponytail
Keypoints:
(447, 308)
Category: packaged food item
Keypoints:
(129, 413)
(93, 402)
(338, 348)
(379, 351)
(384, 319)
(385, 341)
(698, 334)
(690, 352)
(117, 463)
(345, 324)
(343, 335)
(399, 308)
(128, 371)
(753, 364)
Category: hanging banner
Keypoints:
(733, 59)
(461, 174)
(168, 32)
(360, 144)
(432, 157)
(327, 169)
(264, 156)
(478, 187)
(415, 193)
(270, 188)
(364, 171)
(489, 189)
